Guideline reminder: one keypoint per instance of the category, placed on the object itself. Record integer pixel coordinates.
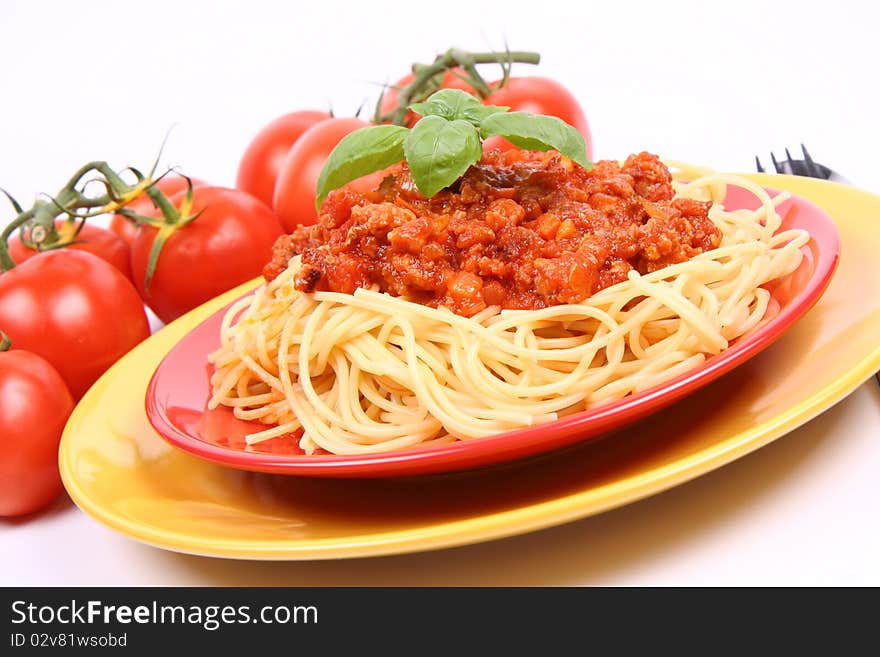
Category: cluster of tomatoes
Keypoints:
(71, 312)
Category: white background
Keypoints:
(692, 81)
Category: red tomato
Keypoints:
(263, 158)
(92, 239)
(168, 185)
(451, 80)
(34, 406)
(539, 95)
(123, 228)
(74, 310)
(294, 200)
(227, 245)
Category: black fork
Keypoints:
(806, 167)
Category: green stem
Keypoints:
(116, 184)
(173, 219)
(517, 56)
(169, 212)
(5, 342)
(452, 58)
(44, 213)
(6, 261)
(82, 171)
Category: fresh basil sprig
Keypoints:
(445, 142)
(452, 104)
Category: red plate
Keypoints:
(179, 389)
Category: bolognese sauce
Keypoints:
(521, 229)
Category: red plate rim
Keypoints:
(508, 446)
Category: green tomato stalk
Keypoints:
(427, 78)
(172, 220)
(36, 225)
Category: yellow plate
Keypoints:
(117, 469)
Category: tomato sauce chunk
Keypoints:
(520, 229)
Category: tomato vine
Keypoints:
(427, 78)
(37, 227)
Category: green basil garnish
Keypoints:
(363, 151)
(536, 132)
(445, 142)
(452, 104)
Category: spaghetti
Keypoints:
(370, 372)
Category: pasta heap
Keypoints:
(368, 372)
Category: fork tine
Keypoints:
(758, 164)
(812, 169)
(776, 164)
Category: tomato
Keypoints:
(123, 228)
(539, 95)
(294, 199)
(451, 80)
(169, 185)
(34, 406)
(264, 156)
(73, 309)
(92, 239)
(228, 244)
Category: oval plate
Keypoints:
(177, 396)
(119, 471)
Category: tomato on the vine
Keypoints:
(451, 80)
(73, 309)
(265, 155)
(539, 95)
(169, 185)
(34, 406)
(91, 239)
(294, 199)
(226, 245)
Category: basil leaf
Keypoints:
(363, 151)
(453, 104)
(439, 152)
(538, 133)
(446, 103)
(478, 114)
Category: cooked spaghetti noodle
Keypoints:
(370, 372)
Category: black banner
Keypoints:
(334, 620)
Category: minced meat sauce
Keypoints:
(520, 229)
